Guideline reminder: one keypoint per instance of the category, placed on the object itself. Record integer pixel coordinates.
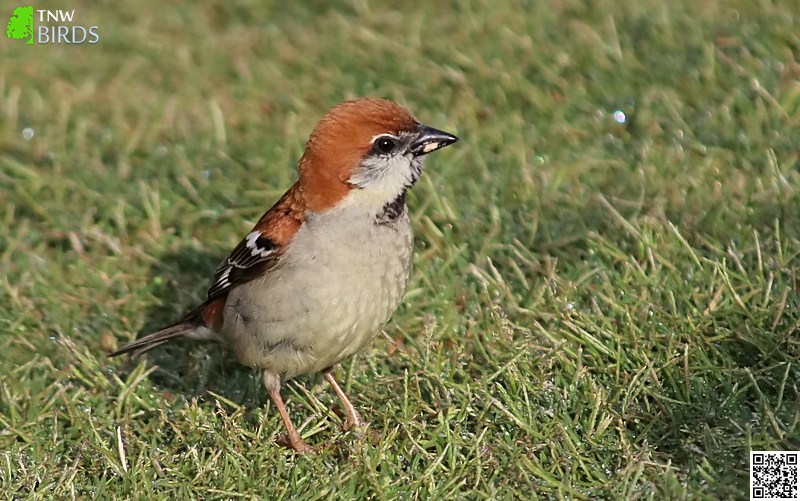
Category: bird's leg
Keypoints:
(273, 384)
(354, 419)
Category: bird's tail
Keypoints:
(194, 325)
(156, 339)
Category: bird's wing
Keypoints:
(260, 250)
(248, 260)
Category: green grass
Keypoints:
(597, 309)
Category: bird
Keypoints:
(323, 270)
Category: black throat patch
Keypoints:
(392, 210)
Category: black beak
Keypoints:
(429, 139)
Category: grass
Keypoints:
(598, 309)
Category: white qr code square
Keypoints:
(773, 475)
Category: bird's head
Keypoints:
(370, 148)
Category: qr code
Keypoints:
(773, 475)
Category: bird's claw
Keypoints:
(298, 444)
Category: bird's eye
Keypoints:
(385, 144)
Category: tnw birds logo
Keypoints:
(20, 25)
(53, 27)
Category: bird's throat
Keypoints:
(392, 210)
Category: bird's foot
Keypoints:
(296, 443)
(355, 422)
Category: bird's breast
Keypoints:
(338, 282)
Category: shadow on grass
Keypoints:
(187, 367)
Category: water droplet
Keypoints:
(619, 116)
(27, 133)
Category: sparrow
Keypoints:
(323, 270)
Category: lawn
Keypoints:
(605, 295)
